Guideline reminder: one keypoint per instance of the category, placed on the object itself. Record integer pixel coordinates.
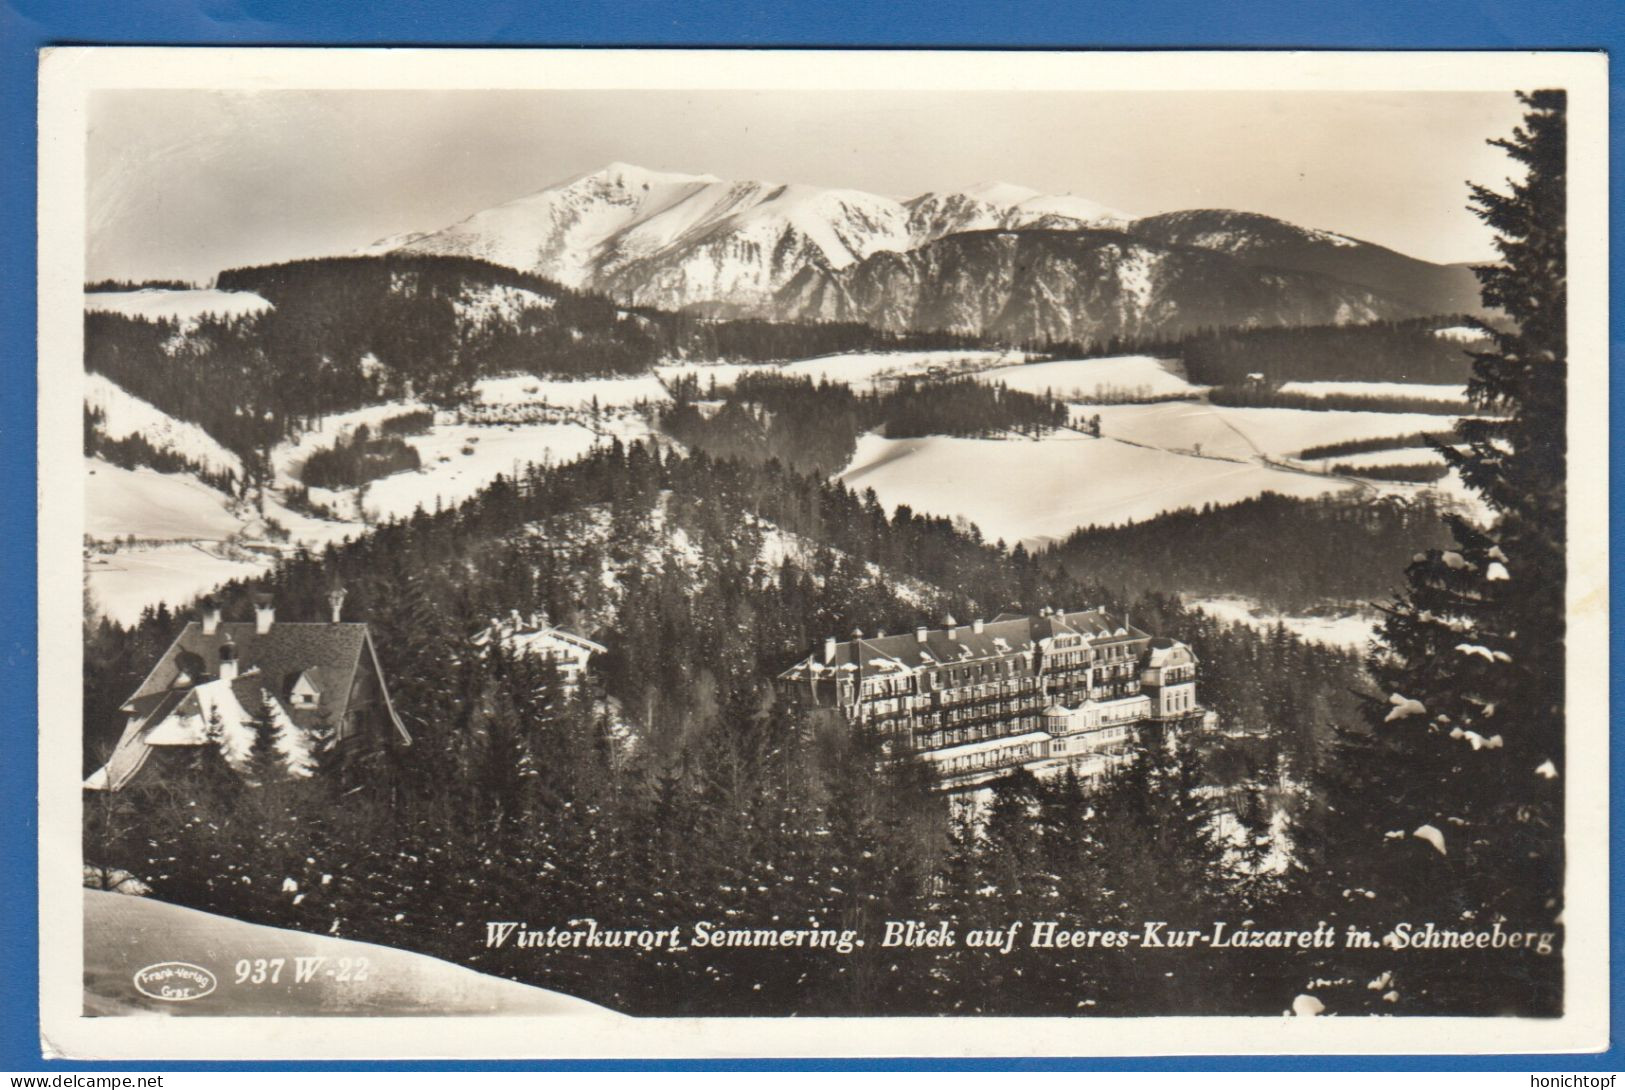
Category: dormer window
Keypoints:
(304, 693)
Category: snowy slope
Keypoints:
(125, 414)
(125, 934)
(1003, 206)
(1041, 490)
(153, 505)
(674, 239)
(185, 307)
(125, 582)
(449, 476)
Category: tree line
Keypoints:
(816, 426)
(1325, 549)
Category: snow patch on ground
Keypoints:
(1351, 631)
(184, 306)
(1429, 391)
(125, 414)
(1085, 380)
(1465, 334)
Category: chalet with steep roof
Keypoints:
(217, 676)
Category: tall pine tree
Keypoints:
(1449, 808)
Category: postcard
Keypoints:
(636, 553)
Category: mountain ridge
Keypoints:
(678, 241)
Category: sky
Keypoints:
(182, 184)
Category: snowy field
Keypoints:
(125, 414)
(185, 306)
(570, 393)
(126, 582)
(1350, 631)
(1041, 490)
(152, 505)
(1462, 333)
(871, 368)
(1429, 391)
(1079, 380)
(1229, 432)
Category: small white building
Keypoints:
(534, 636)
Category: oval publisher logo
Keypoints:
(174, 981)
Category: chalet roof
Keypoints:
(1007, 634)
(286, 650)
(270, 662)
(1165, 652)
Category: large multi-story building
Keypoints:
(1046, 693)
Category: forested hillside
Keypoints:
(346, 332)
(676, 787)
(1286, 553)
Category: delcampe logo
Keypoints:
(174, 981)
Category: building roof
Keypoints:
(1166, 652)
(180, 690)
(1005, 635)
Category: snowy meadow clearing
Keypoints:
(1128, 377)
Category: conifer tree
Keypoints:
(1450, 807)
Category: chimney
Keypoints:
(829, 649)
(211, 617)
(919, 633)
(952, 626)
(976, 626)
(335, 598)
(228, 660)
(264, 614)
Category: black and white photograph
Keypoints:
(600, 547)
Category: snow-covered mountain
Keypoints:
(1000, 205)
(678, 241)
(1073, 285)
